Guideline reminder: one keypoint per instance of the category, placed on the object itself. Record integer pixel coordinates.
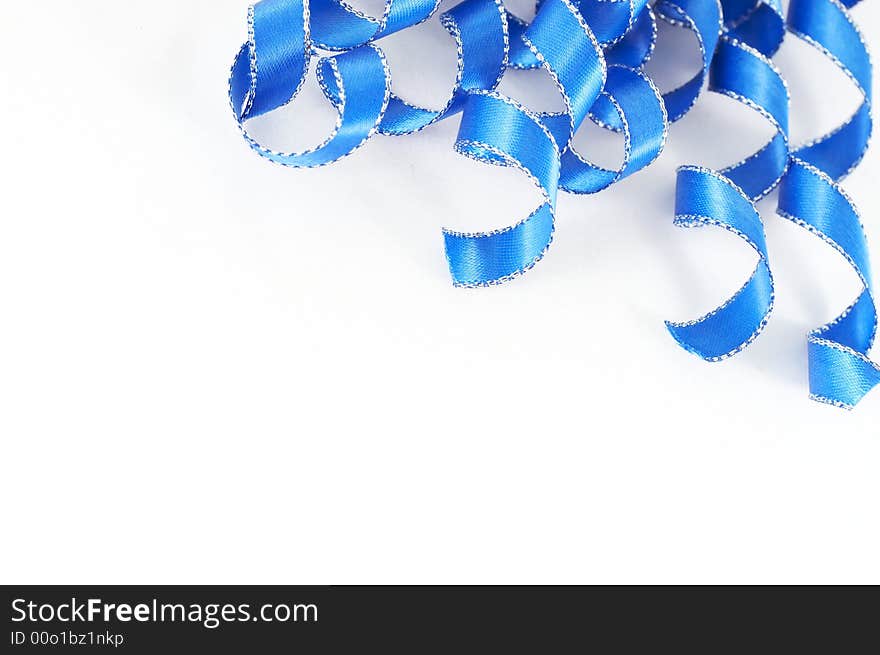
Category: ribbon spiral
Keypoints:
(594, 51)
(811, 196)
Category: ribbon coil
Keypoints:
(595, 51)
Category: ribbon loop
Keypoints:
(704, 197)
(338, 26)
(594, 51)
(496, 130)
(479, 28)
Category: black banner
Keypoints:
(241, 619)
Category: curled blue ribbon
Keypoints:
(338, 26)
(811, 196)
(496, 130)
(596, 73)
(704, 19)
(726, 199)
(561, 39)
(480, 32)
(757, 24)
(594, 51)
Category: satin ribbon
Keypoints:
(726, 199)
(560, 38)
(811, 196)
(594, 51)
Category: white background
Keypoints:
(214, 369)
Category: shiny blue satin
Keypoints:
(563, 42)
(594, 51)
(759, 25)
(496, 130)
(596, 73)
(705, 197)
(480, 33)
(726, 199)
(337, 26)
(704, 19)
(811, 196)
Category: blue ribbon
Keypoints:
(560, 39)
(759, 25)
(726, 199)
(496, 130)
(811, 196)
(594, 51)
